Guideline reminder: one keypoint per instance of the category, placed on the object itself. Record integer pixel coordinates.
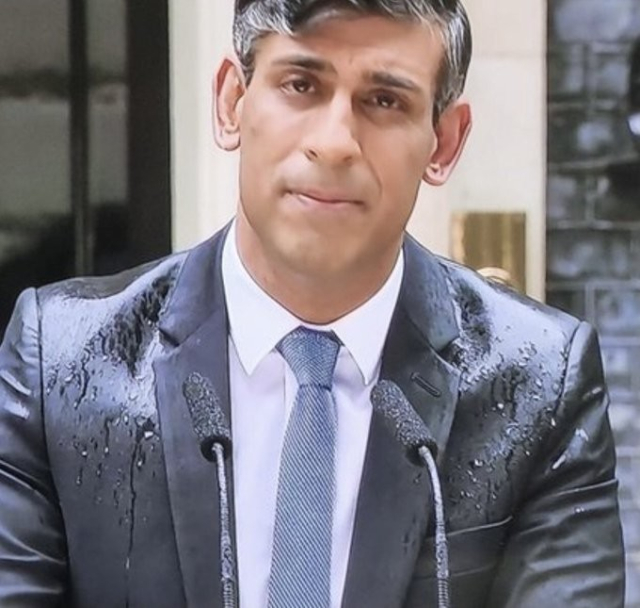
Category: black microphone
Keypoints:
(402, 420)
(410, 430)
(209, 421)
(214, 434)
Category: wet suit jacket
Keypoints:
(106, 500)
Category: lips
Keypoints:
(324, 197)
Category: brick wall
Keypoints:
(593, 214)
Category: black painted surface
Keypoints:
(84, 140)
(593, 213)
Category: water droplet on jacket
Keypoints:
(582, 434)
(558, 463)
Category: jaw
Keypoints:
(317, 278)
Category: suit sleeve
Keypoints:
(565, 546)
(33, 569)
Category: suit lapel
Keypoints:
(394, 503)
(194, 325)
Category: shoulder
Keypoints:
(493, 318)
(77, 313)
(126, 284)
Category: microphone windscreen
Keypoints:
(401, 419)
(209, 421)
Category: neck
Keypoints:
(313, 298)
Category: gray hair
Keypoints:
(255, 19)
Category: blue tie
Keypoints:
(301, 561)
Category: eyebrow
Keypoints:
(377, 77)
(387, 79)
(306, 62)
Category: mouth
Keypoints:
(324, 198)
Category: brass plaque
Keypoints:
(493, 243)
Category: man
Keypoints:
(339, 110)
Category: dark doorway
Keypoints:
(84, 140)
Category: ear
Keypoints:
(228, 90)
(452, 131)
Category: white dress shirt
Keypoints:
(263, 388)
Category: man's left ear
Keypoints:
(451, 131)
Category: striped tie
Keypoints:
(301, 561)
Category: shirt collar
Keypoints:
(257, 322)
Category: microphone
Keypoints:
(208, 419)
(402, 420)
(214, 435)
(410, 430)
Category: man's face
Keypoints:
(336, 133)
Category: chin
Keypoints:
(320, 262)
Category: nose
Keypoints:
(331, 138)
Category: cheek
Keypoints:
(260, 153)
(400, 154)
(265, 117)
(268, 137)
(400, 172)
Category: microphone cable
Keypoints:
(212, 430)
(411, 431)
(442, 543)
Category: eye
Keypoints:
(301, 86)
(386, 101)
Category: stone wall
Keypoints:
(593, 214)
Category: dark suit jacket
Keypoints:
(106, 500)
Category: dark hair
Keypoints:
(256, 18)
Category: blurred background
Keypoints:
(107, 160)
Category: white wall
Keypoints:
(503, 168)
(204, 179)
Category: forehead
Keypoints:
(359, 44)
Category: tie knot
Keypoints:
(311, 355)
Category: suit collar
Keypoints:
(394, 503)
(426, 298)
(195, 327)
(198, 292)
